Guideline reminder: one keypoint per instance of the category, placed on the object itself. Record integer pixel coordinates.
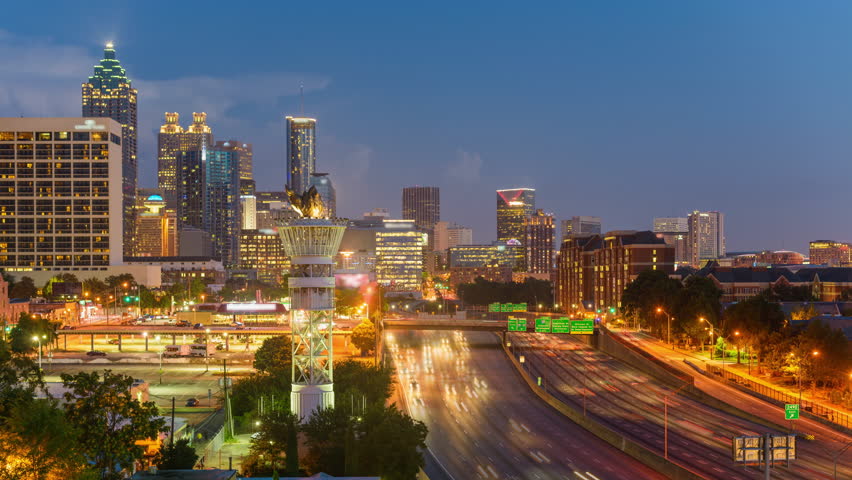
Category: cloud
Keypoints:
(466, 168)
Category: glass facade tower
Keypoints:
(109, 93)
(301, 152)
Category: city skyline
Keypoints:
(676, 131)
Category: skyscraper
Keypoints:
(156, 229)
(423, 205)
(171, 141)
(448, 235)
(47, 221)
(322, 182)
(706, 237)
(109, 93)
(301, 152)
(246, 156)
(513, 206)
(222, 217)
(538, 240)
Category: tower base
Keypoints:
(307, 399)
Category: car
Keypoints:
(96, 353)
(183, 323)
(219, 346)
(193, 402)
(114, 341)
(67, 327)
(198, 326)
(255, 435)
(238, 325)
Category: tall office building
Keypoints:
(248, 212)
(423, 205)
(513, 206)
(706, 237)
(301, 152)
(263, 252)
(222, 215)
(171, 141)
(399, 256)
(208, 197)
(246, 156)
(156, 228)
(674, 231)
(581, 225)
(109, 93)
(322, 182)
(448, 235)
(61, 198)
(538, 240)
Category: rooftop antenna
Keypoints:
(302, 97)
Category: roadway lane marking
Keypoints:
(581, 475)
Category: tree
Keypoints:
(347, 300)
(276, 442)
(364, 336)
(109, 420)
(354, 379)
(326, 445)
(699, 298)
(650, 290)
(390, 444)
(531, 291)
(804, 312)
(24, 288)
(248, 390)
(37, 441)
(754, 318)
(19, 379)
(179, 455)
(275, 356)
(833, 361)
(29, 327)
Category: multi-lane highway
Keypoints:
(633, 404)
(483, 420)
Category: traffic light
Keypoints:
(611, 309)
(127, 299)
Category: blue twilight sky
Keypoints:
(625, 110)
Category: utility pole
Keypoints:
(172, 436)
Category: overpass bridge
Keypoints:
(445, 324)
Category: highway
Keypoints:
(483, 420)
(628, 401)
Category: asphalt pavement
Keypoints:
(483, 420)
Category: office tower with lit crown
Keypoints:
(538, 240)
(156, 227)
(829, 252)
(423, 205)
(581, 225)
(109, 93)
(61, 199)
(301, 152)
(322, 182)
(513, 206)
(171, 141)
(706, 237)
(675, 232)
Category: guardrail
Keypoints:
(827, 414)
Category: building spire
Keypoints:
(302, 98)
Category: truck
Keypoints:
(176, 351)
(202, 349)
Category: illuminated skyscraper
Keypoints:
(301, 152)
(706, 237)
(539, 232)
(156, 229)
(399, 256)
(172, 140)
(108, 93)
(423, 205)
(513, 206)
(246, 156)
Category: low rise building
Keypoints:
(181, 269)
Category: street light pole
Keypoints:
(207, 350)
(38, 339)
(668, 323)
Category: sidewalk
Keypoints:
(730, 371)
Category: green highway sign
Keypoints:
(791, 411)
(583, 327)
(507, 307)
(542, 325)
(493, 307)
(517, 324)
(561, 325)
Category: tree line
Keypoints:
(483, 292)
(756, 327)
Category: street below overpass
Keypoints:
(631, 403)
(483, 420)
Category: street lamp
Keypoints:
(669, 323)
(36, 338)
(145, 335)
(712, 345)
(737, 335)
(207, 350)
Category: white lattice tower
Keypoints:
(311, 244)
